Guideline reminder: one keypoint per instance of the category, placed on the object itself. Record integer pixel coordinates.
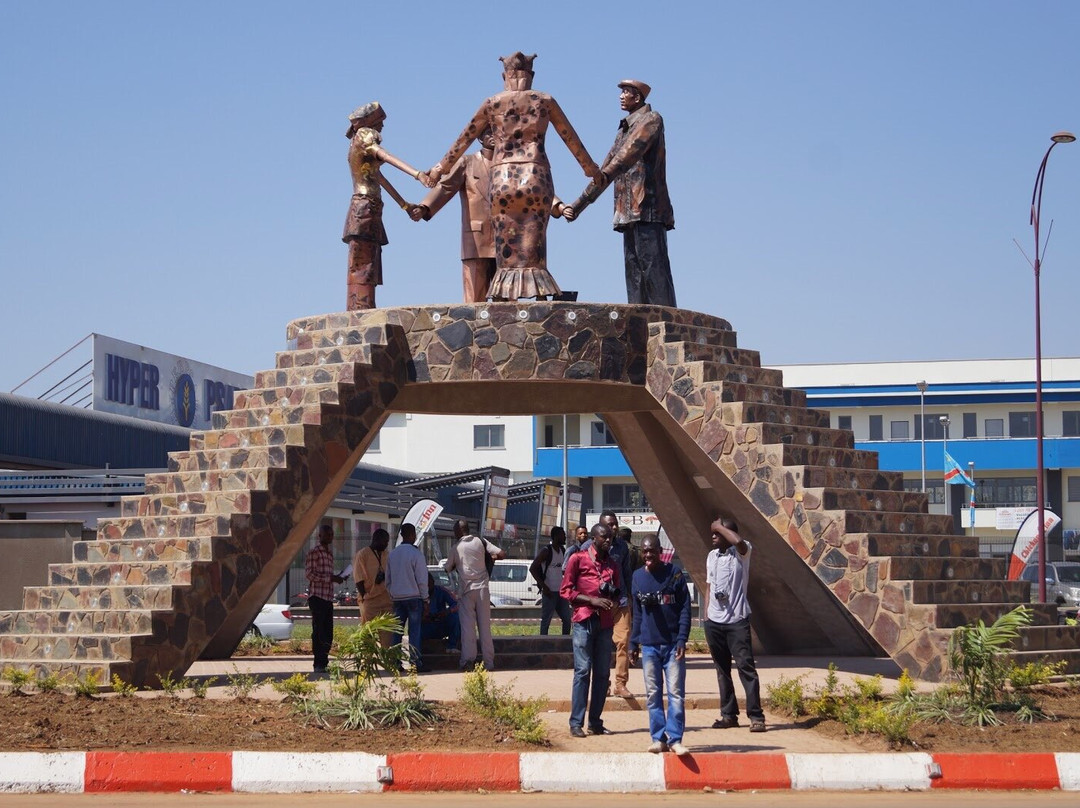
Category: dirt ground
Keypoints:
(53, 721)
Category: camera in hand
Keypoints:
(721, 596)
(380, 576)
(609, 590)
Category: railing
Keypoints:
(72, 485)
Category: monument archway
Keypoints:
(846, 562)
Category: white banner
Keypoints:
(1027, 541)
(422, 516)
(1010, 518)
(155, 386)
(637, 521)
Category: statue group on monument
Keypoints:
(508, 194)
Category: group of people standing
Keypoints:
(610, 598)
(508, 194)
(397, 582)
(638, 607)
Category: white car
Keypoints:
(502, 571)
(274, 621)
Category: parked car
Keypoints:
(450, 581)
(1062, 582)
(274, 621)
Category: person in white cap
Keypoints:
(637, 166)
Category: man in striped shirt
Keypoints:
(319, 571)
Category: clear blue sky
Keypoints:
(847, 176)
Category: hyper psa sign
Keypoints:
(155, 386)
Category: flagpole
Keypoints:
(944, 419)
(971, 476)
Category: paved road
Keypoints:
(950, 799)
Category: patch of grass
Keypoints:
(295, 687)
(787, 696)
(499, 702)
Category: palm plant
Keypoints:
(977, 658)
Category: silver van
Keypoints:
(1062, 582)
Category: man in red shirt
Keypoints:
(593, 585)
(319, 571)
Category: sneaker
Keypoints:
(678, 749)
(623, 692)
(757, 726)
(725, 723)
(656, 747)
(577, 732)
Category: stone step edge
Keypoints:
(291, 772)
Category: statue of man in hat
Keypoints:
(637, 166)
(364, 232)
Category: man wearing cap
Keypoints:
(471, 179)
(364, 232)
(637, 165)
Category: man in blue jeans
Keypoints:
(407, 583)
(661, 627)
(592, 585)
(727, 624)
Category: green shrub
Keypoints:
(786, 696)
(170, 686)
(295, 687)
(1034, 673)
(481, 694)
(18, 678)
(241, 685)
(122, 688)
(200, 687)
(50, 682)
(88, 684)
(360, 657)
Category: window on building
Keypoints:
(1022, 424)
(931, 425)
(876, 430)
(1070, 423)
(1005, 492)
(994, 428)
(600, 435)
(971, 425)
(843, 422)
(549, 436)
(489, 436)
(899, 430)
(1074, 489)
(623, 497)
(935, 490)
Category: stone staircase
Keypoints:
(845, 561)
(900, 571)
(184, 568)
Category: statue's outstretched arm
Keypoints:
(573, 142)
(390, 189)
(470, 133)
(386, 157)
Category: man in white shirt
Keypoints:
(727, 625)
(468, 557)
(407, 583)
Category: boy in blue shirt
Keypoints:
(661, 627)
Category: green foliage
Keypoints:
(254, 644)
(241, 685)
(122, 688)
(200, 687)
(481, 694)
(905, 688)
(361, 657)
(172, 687)
(296, 645)
(787, 696)
(977, 657)
(18, 678)
(828, 701)
(88, 684)
(295, 687)
(50, 682)
(1034, 674)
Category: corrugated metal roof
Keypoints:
(58, 436)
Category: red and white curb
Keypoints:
(282, 772)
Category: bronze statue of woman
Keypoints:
(522, 192)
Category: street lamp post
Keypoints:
(1036, 210)
(922, 428)
(944, 419)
